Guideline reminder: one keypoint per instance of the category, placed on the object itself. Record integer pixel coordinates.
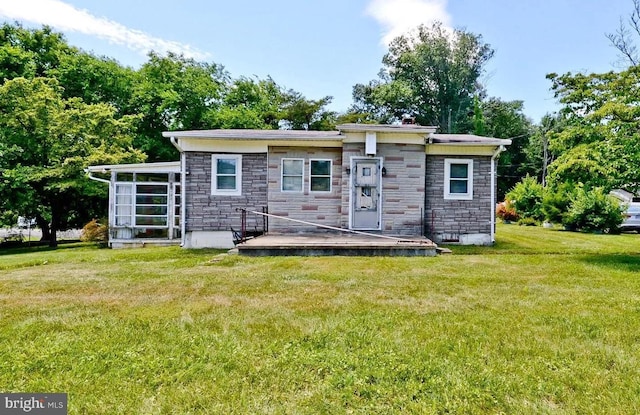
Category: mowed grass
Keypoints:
(544, 322)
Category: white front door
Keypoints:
(366, 193)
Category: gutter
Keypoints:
(183, 192)
(499, 150)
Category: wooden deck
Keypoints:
(335, 244)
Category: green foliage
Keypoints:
(46, 141)
(593, 210)
(249, 103)
(479, 127)
(174, 93)
(506, 119)
(526, 197)
(96, 80)
(431, 74)
(528, 222)
(537, 152)
(556, 202)
(599, 142)
(300, 113)
(30, 52)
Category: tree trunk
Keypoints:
(44, 226)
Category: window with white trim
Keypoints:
(226, 172)
(124, 204)
(458, 179)
(320, 175)
(292, 175)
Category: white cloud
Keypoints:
(398, 17)
(66, 18)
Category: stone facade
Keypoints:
(207, 212)
(450, 220)
(412, 193)
(315, 207)
(402, 186)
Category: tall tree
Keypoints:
(45, 143)
(598, 146)
(432, 74)
(539, 154)
(95, 80)
(41, 52)
(30, 52)
(174, 93)
(300, 113)
(250, 103)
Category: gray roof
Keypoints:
(387, 128)
(241, 134)
(303, 135)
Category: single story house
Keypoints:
(403, 180)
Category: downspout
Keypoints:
(499, 150)
(183, 200)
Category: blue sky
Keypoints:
(324, 47)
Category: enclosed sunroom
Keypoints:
(144, 203)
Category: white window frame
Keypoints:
(329, 176)
(282, 189)
(129, 219)
(447, 179)
(214, 175)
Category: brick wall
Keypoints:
(315, 207)
(446, 220)
(206, 212)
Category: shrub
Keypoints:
(526, 197)
(506, 211)
(593, 210)
(528, 222)
(556, 202)
(95, 232)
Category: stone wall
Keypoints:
(449, 220)
(207, 212)
(315, 207)
(403, 186)
(412, 201)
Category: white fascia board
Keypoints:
(247, 146)
(460, 150)
(160, 167)
(387, 138)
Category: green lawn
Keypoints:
(544, 322)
